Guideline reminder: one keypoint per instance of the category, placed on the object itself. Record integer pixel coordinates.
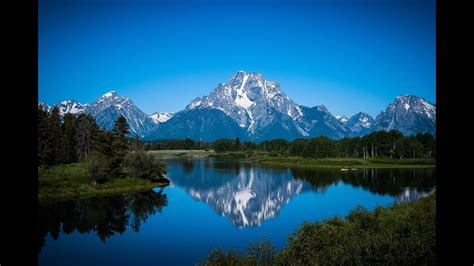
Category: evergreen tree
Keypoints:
(136, 144)
(223, 145)
(188, 144)
(237, 145)
(119, 145)
(83, 136)
(69, 132)
(44, 148)
(55, 139)
(121, 128)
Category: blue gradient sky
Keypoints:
(348, 55)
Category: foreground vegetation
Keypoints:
(77, 158)
(403, 234)
(72, 181)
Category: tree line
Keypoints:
(107, 154)
(177, 144)
(392, 144)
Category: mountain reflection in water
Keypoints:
(248, 193)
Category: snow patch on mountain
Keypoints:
(341, 118)
(161, 117)
(251, 101)
(360, 124)
(71, 107)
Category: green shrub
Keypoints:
(258, 253)
(237, 154)
(220, 257)
(402, 235)
(98, 167)
(274, 154)
(144, 165)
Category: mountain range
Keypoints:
(252, 108)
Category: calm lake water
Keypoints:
(213, 203)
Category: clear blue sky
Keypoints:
(348, 55)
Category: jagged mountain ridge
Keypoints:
(253, 103)
(360, 124)
(252, 108)
(106, 109)
(408, 114)
(262, 110)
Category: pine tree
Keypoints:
(188, 144)
(237, 144)
(121, 128)
(55, 138)
(119, 145)
(44, 149)
(83, 136)
(69, 132)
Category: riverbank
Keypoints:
(294, 161)
(344, 162)
(403, 234)
(71, 181)
(182, 153)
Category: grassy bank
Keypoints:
(181, 153)
(403, 234)
(70, 181)
(293, 161)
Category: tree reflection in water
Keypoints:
(248, 193)
(393, 182)
(106, 216)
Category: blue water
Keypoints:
(215, 203)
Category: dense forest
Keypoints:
(392, 144)
(107, 154)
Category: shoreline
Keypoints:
(71, 182)
(294, 161)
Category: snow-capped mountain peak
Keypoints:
(360, 124)
(44, 106)
(341, 118)
(72, 107)
(409, 114)
(108, 107)
(111, 97)
(365, 119)
(415, 103)
(247, 97)
(251, 107)
(109, 94)
(161, 117)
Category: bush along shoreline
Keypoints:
(402, 234)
